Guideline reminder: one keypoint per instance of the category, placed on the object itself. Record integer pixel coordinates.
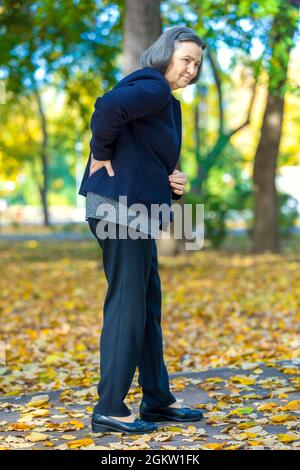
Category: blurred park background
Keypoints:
(240, 146)
(233, 303)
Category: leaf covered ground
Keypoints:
(220, 310)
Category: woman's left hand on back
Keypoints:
(177, 181)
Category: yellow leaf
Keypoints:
(52, 359)
(267, 406)
(241, 411)
(240, 436)
(80, 443)
(242, 380)
(254, 443)
(233, 447)
(281, 418)
(213, 445)
(49, 444)
(36, 437)
(247, 425)
(26, 418)
(191, 429)
(289, 370)
(292, 405)
(288, 437)
(251, 435)
(74, 423)
(21, 426)
(214, 379)
(40, 413)
(37, 401)
(173, 428)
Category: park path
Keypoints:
(254, 407)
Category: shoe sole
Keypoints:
(157, 417)
(109, 428)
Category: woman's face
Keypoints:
(184, 66)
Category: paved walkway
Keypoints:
(254, 407)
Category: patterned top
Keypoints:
(121, 213)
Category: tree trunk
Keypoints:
(43, 187)
(266, 204)
(266, 207)
(142, 26)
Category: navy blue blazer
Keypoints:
(137, 125)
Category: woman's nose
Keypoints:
(191, 70)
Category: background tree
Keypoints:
(49, 43)
(266, 209)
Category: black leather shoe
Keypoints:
(102, 423)
(169, 413)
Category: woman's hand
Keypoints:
(178, 181)
(97, 164)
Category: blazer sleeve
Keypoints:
(121, 105)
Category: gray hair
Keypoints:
(159, 55)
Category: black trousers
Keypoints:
(131, 335)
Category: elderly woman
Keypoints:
(134, 149)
